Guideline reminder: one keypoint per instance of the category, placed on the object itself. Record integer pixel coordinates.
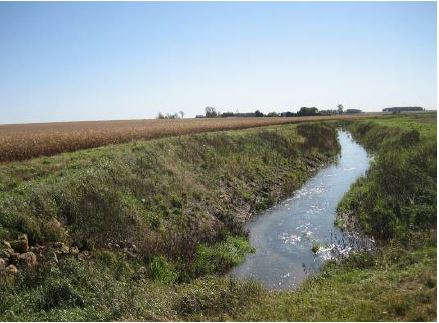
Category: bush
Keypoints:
(221, 256)
(59, 293)
(162, 270)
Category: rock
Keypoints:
(27, 259)
(2, 264)
(6, 253)
(13, 259)
(60, 247)
(74, 250)
(23, 237)
(12, 270)
(6, 245)
(21, 245)
(38, 250)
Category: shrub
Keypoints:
(59, 293)
(221, 256)
(162, 270)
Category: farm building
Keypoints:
(353, 111)
(402, 109)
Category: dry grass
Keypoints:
(24, 141)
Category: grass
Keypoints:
(399, 192)
(402, 289)
(392, 285)
(25, 141)
(168, 197)
(194, 193)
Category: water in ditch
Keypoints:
(285, 234)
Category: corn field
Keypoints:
(24, 141)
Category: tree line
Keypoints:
(213, 112)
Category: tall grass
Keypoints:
(398, 194)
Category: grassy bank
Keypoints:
(395, 282)
(398, 195)
(138, 222)
(395, 202)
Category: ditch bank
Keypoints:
(178, 202)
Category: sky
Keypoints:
(67, 61)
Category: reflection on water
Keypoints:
(284, 235)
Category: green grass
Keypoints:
(402, 289)
(399, 192)
(395, 283)
(183, 201)
(165, 195)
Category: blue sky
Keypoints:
(97, 61)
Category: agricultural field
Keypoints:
(24, 141)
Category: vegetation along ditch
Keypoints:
(146, 230)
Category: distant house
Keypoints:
(402, 109)
(351, 111)
(199, 116)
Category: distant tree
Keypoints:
(181, 113)
(340, 108)
(327, 112)
(171, 116)
(211, 112)
(227, 114)
(258, 113)
(168, 116)
(305, 111)
(288, 114)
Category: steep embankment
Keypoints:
(115, 229)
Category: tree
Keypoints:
(227, 114)
(340, 108)
(181, 113)
(211, 112)
(171, 116)
(160, 116)
(305, 111)
(258, 113)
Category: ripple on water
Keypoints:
(315, 209)
(290, 238)
(284, 236)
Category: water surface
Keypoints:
(284, 235)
